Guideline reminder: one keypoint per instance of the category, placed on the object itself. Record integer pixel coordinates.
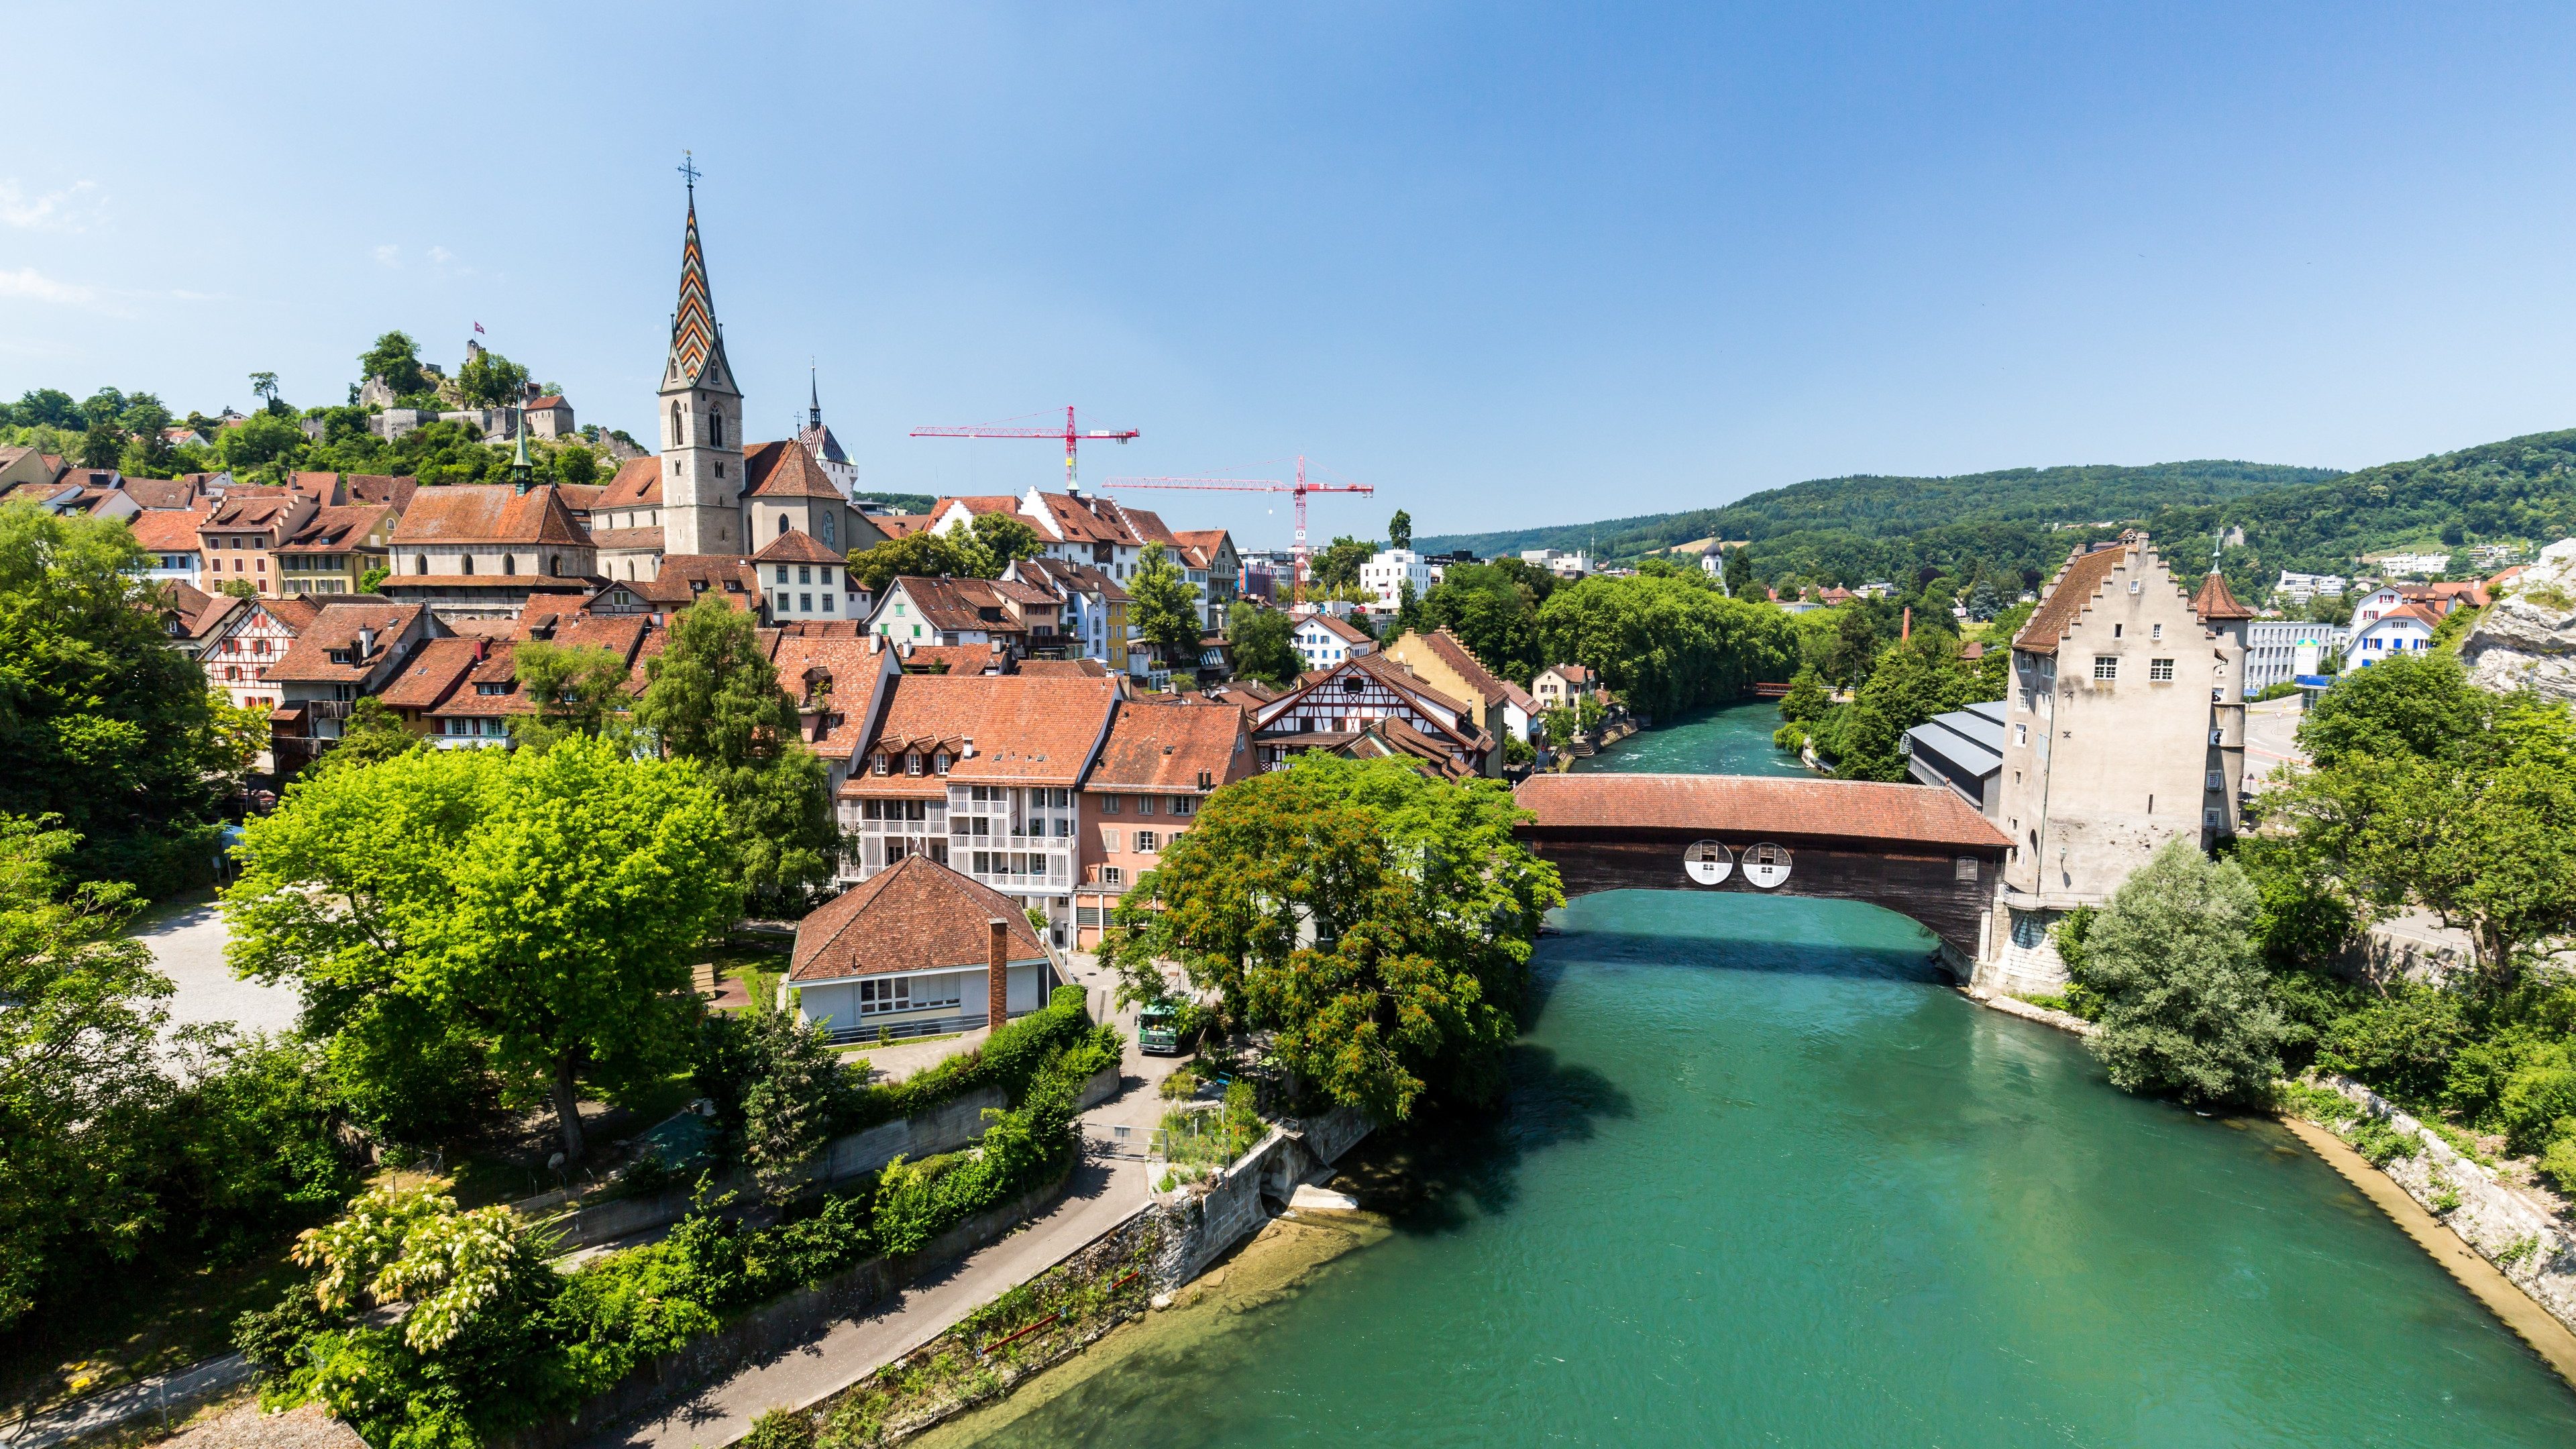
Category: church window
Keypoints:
(509, 564)
(554, 564)
(675, 433)
(469, 563)
(782, 523)
(420, 563)
(715, 433)
(720, 470)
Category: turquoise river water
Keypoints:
(1763, 1179)
(1735, 740)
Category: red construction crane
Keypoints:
(1299, 489)
(1072, 438)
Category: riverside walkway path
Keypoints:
(1102, 1193)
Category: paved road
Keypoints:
(187, 937)
(1103, 1193)
(2271, 739)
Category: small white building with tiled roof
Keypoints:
(806, 580)
(1322, 641)
(916, 950)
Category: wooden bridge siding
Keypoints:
(1925, 887)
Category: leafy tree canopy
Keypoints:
(2184, 1005)
(1165, 608)
(715, 698)
(542, 907)
(102, 725)
(1665, 645)
(490, 380)
(1337, 564)
(1379, 920)
(1264, 643)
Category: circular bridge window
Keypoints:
(1767, 865)
(1708, 862)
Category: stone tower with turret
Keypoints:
(701, 420)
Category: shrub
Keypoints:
(2535, 1099)
(780, 1429)
(2558, 1161)
(2185, 1008)
(2380, 1142)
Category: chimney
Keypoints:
(482, 650)
(1906, 630)
(366, 641)
(997, 975)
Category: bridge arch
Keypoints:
(1918, 850)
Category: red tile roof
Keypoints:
(952, 658)
(843, 672)
(158, 493)
(957, 605)
(1350, 633)
(333, 529)
(162, 530)
(1064, 668)
(2062, 603)
(1159, 746)
(432, 673)
(1023, 730)
(1775, 808)
(638, 484)
(785, 470)
(380, 488)
(916, 915)
(308, 659)
(899, 525)
(797, 546)
(2214, 602)
(488, 513)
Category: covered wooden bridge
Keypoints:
(1916, 849)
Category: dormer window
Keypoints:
(939, 762)
(912, 763)
(881, 762)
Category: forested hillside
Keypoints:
(1852, 530)
(1878, 506)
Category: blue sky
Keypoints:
(1511, 264)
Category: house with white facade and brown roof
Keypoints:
(1329, 709)
(916, 950)
(1321, 640)
(805, 579)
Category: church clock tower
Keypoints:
(701, 418)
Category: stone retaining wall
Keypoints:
(2524, 1243)
(1203, 1221)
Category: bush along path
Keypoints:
(425, 1327)
(1039, 1323)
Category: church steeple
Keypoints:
(814, 396)
(701, 408)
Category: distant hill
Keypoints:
(900, 502)
(1853, 530)
(1877, 507)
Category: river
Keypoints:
(1732, 740)
(1764, 1179)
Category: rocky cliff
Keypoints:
(2528, 638)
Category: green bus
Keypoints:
(1158, 1029)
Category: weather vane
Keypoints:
(689, 169)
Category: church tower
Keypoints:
(700, 418)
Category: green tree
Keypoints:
(1493, 613)
(2184, 1005)
(1264, 643)
(490, 380)
(714, 698)
(101, 446)
(576, 691)
(265, 439)
(1408, 609)
(913, 555)
(238, 588)
(1004, 541)
(543, 907)
(1166, 608)
(1421, 909)
(1665, 645)
(1399, 530)
(263, 385)
(102, 724)
(1911, 682)
(396, 359)
(1337, 566)
(374, 579)
(2416, 704)
(78, 1081)
(1739, 573)
(374, 733)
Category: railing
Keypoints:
(889, 1032)
(329, 708)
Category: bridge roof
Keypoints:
(1784, 808)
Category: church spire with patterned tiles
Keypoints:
(701, 414)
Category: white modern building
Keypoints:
(1558, 562)
(2299, 590)
(2280, 650)
(1388, 571)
